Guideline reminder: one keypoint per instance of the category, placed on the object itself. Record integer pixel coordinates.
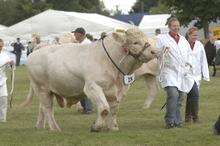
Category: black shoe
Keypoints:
(216, 127)
(87, 112)
(178, 125)
(170, 125)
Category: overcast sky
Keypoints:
(124, 5)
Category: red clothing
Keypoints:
(176, 37)
(192, 44)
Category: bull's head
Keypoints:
(137, 44)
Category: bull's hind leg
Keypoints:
(152, 90)
(46, 101)
(41, 118)
(95, 93)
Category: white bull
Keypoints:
(75, 71)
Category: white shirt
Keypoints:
(86, 41)
(201, 70)
(177, 61)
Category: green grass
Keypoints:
(138, 127)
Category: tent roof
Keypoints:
(154, 21)
(150, 23)
(2, 27)
(56, 22)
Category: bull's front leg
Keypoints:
(96, 94)
(112, 122)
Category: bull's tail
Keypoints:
(29, 98)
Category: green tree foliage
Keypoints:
(159, 9)
(13, 11)
(205, 11)
(141, 6)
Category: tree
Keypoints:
(205, 11)
(159, 9)
(117, 11)
(89, 6)
(141, 6)
(13, 11)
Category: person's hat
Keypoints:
(79, 30)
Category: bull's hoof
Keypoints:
(114, 129)
(56, 130)
(146, 107)
(94, 128)
(39, 126)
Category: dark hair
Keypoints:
(79, 30)
(1, 40)
(157, 31)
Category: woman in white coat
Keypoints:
(176, 72)
(4, 60)
(201, 71)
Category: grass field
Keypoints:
(138, 127)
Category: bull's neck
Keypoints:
(129, 64)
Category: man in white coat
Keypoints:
(4, 60)
(175, 72)
(201, 71)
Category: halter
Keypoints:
(128, 79)
(136, 56)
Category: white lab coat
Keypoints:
(177, 61)
(4, 58)
(3, 87)
(201, 70)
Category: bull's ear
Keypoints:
(120, 37)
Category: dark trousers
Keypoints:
(192, 104)
(18, 57)
(86, 104)
(174, 103)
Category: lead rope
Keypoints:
(161, 66)
(165, 51)
(12, 85)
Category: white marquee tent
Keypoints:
(149, 23)
(2, 27)
(52, 22)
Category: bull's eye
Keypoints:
(135, 43)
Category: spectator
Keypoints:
(210, 49)
(80, 36)
(18, 47)
(157, 31)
